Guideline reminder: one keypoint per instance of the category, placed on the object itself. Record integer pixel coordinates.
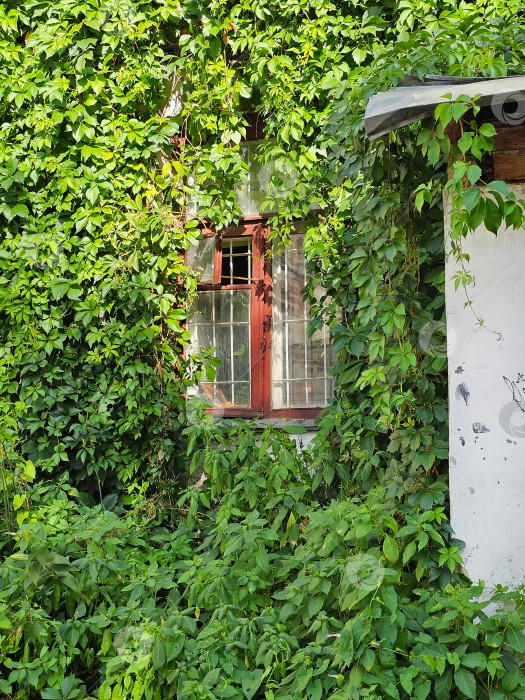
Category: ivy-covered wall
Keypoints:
(93, 278)
(92, 270)
(279, 579)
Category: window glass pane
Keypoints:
(242, 394)
(201, 258)
(241, 352)
(221, 319)
(317, 357)
(203, 310)
(222, 345)
(249, 193)
(275, 179)
(222, 394)
(300, 365)
(295, 338)
(236, 261)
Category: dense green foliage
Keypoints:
(274, 595)
(89, 327)
(233, 590)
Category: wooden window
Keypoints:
(270, 367)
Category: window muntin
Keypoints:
(269, 366)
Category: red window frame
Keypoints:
(258, 230)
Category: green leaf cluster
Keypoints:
(264, 590)
(332, 574)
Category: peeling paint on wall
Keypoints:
(463, 393)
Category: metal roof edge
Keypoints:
(404, 105)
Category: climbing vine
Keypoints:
(334, 574)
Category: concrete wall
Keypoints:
(487, 405)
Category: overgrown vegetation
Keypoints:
(274, 595)
(333, 576)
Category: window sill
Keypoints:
(309, 424)
(286, 416)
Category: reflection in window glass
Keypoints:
(263, 179)
(300, 365)
(201, 258)
(221, 319)
(249, 193)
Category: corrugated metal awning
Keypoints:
(390, 110)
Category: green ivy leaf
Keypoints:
(422, 689)
(516, 639)
(465, 142)
(459, 109)
(59, 287)
(406, 682)
(409, 552)
(500, 187)
(473, 173)
(443, 685)
(471, 198)
(391, 549)
(487, 130)
(20, 210)
(493, 216)
(359, 55)
(294, 429)
(105, 691)
(368, 659)
(18, 500)
(477, 215)
(158, 653)
(465, 682)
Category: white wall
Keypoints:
(487, 405)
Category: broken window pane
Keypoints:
(236, 261)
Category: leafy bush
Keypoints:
(267, 593)
(334, 577)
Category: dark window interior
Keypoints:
(236, 259)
